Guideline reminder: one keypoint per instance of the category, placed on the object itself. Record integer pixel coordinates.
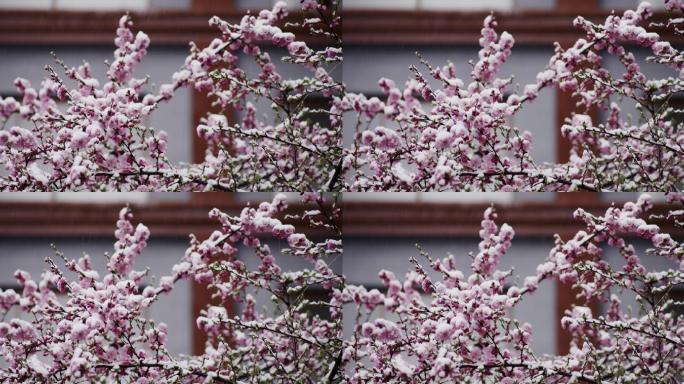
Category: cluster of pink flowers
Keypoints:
(455, 135)
(99, 140)
(445, 325)
(98, 329)
(440, 322)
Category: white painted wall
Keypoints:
(120, 198)
(460, 5)
(497, 198)
(130, 5)
(620, 5)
